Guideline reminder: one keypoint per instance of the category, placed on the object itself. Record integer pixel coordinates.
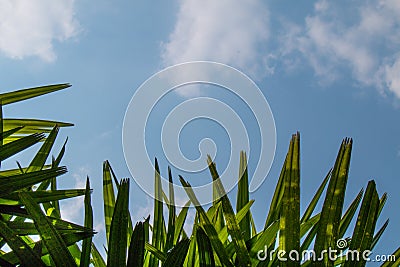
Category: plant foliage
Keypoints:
(222, 235)
(28, 195)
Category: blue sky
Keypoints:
(329, 69)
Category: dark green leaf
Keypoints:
(310, 209)
(328, 226)
(98, 260)
(158, 218)
(243, 196)
(86, 244)
(50, 236)
(119, 227)
(40, 158)
(242, 255)
(206, 254)
(17, 182)
(24, 252)
(207, 225)
(19, 145)
(136, 247)
(379, 234)
(172, 214)
(364, 230)
(42, 196)
(180, 221)
(289, 235)
(176, 256)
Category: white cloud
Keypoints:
(363, 37)
(392, 76)
(141, 212)
(29, 27)
(230, 32)
(72, 209)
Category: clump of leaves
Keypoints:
(29, 199)
(224, 236)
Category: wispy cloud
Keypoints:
(230, 32)
(140, 212)
(362, 37)
(29, 27)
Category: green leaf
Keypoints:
(19, 145)
(307, 225)
(24, 252)
(176, 256)
(382, 202)
(130, 226)
(264, 238)
(180, 221)
(70, 239)
(24, 94)
(275, 206)
(243, 196)
(30, 126)
(86, 244)
(13, 211)
(51, 238)
(217, 215)
(2, 134)
(364, 230)
(41, 156)
(223, 233)
(42, 196)
(17, 182)
(119, 227)
(394, 259)
(311, 207)
(242, 255)
(207, 225)
(11, 172)
(97, 259)
(108, 197)
(289, 235)
(8, 133)
(161, 256)
(172, 214)
(53, 208)
(55, 204)
(136, 247)
(379, 234)
(328, 226)
(206, 254)
(191, 256)
(349, 214)
(29, 228)
(158, 219)
(253, 225)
